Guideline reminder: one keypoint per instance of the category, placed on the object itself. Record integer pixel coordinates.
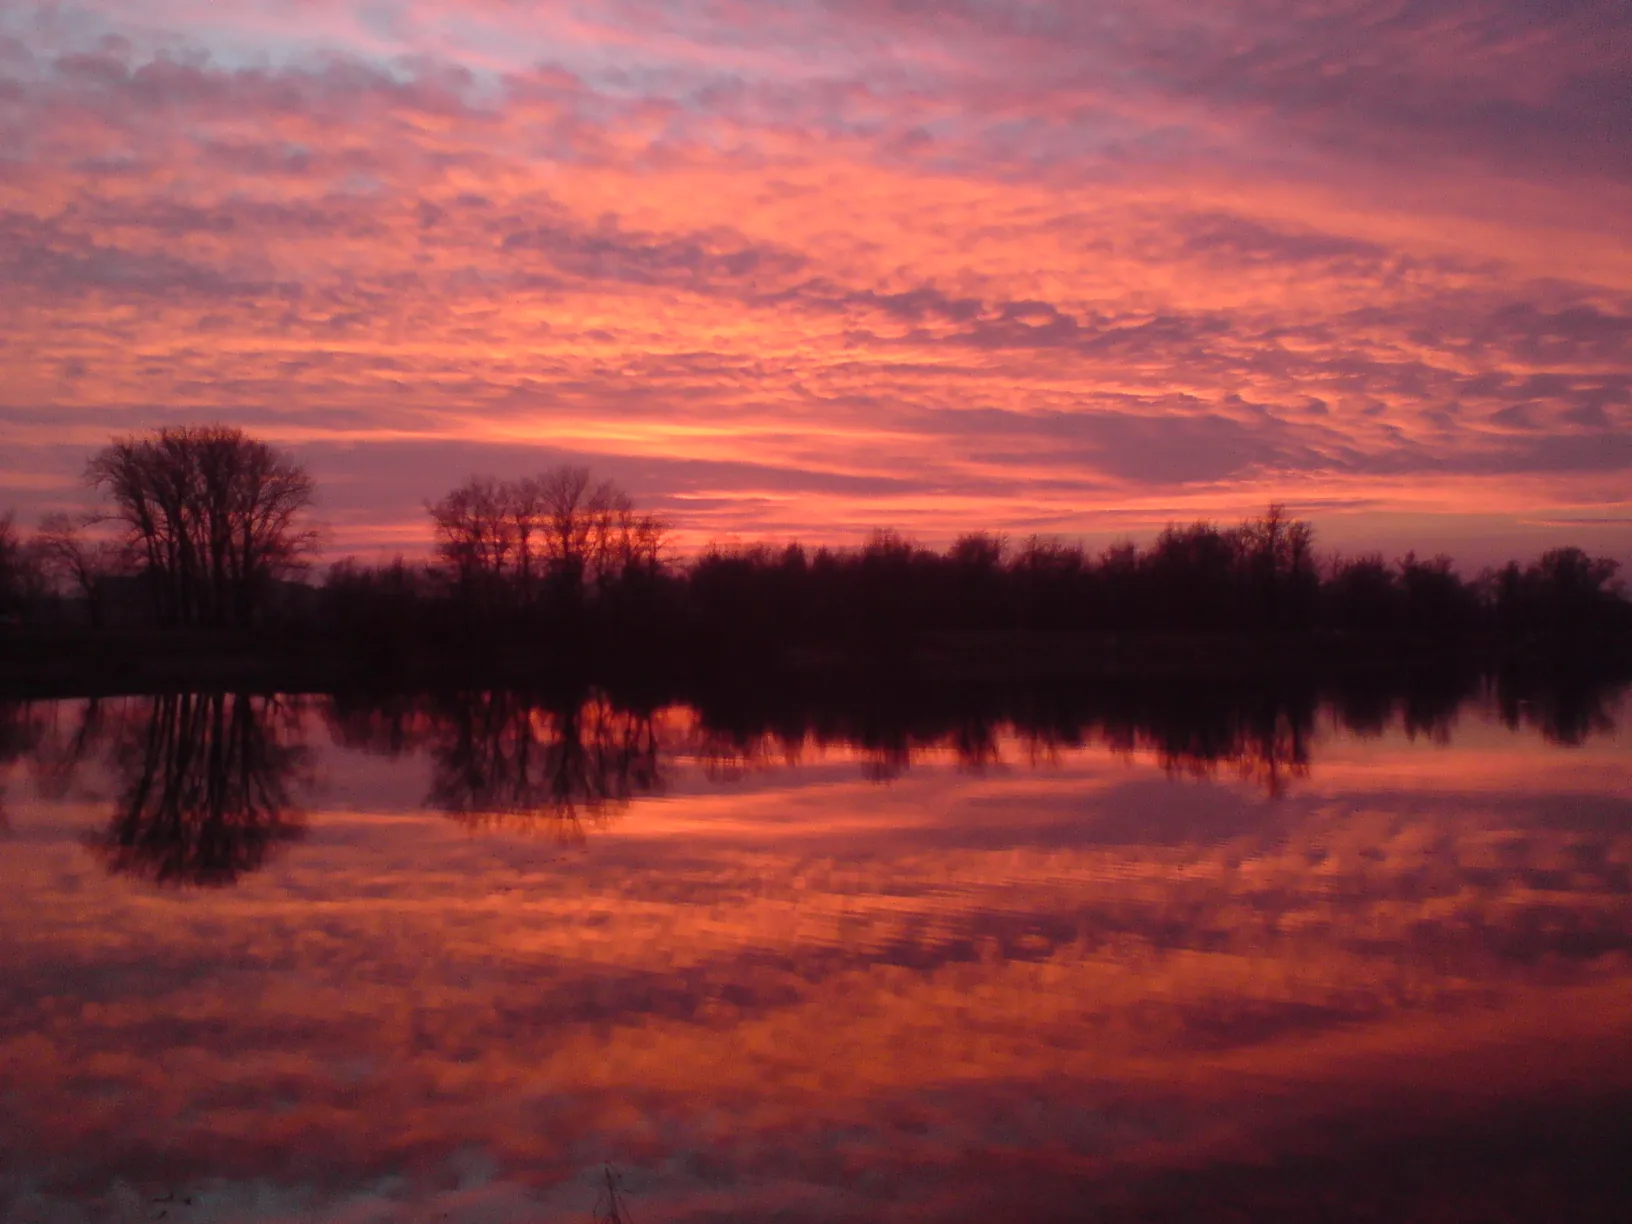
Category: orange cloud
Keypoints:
(805, 270)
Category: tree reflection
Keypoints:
(391, 725)
(67, 744)
(558, 762)
(1567, 713)
(1265, 743)
(515, 758)
(206, 790)
(1261, 734)
(205, 783)
(20, 732)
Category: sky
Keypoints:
(804, 268)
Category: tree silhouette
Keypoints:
(212, 516)
(22, 577)
(552, 539)
(73, 560)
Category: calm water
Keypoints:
(449, 959)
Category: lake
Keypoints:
(1128, 956)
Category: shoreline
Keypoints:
(42, 663)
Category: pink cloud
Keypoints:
(1020, 262)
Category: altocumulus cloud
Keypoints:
(807, 267)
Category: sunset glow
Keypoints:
(778, 990)
(808, 268)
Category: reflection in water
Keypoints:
(1568, 713)
(1261, 735)
(506, 757)
(979, 992)
(206, 792)
(19, 736)
(66, 744)
(567, 760)
(207, 779)
(516, 758)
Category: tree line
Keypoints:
(206, 527)
(1262, 575)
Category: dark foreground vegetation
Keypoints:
(196, 568)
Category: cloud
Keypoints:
(706, 260)
(841, 239)
(1235, 242)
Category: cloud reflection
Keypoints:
(792, 989)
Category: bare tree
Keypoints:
(11, 566)
(594, 534)
(476, 538)
(568, 504)
(22, 580)
(1279, 555)
(212, 515)
(502, 542)
(526, 514)
(73, 560)
(622, 541)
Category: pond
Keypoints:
(467, 957)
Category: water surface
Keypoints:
(449, 958)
